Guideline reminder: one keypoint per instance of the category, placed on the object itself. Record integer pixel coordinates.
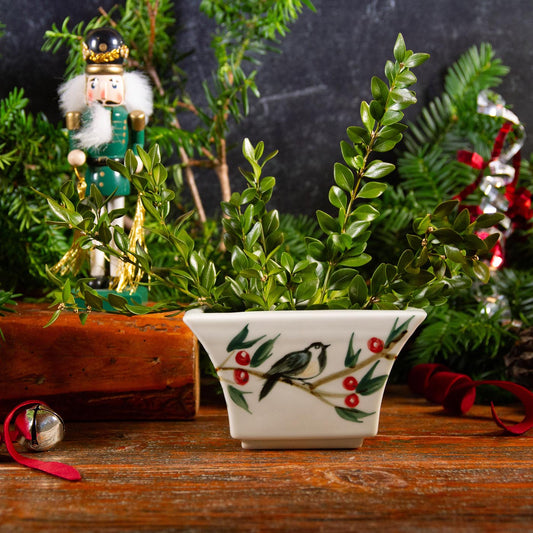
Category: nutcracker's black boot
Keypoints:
(100, 282)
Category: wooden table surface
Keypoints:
(425, 471)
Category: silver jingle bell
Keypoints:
(39, 428)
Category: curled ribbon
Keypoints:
(457, 393)
(499, 186)
(56, 469)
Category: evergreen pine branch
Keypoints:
(466, 340)
(428, 167)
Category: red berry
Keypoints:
(352, 400)
(375, 345)
(242, 358)
(241, 376)
(350, 383)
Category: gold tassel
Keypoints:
(130, 276)
(75, 256)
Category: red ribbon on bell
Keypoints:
(38, 428)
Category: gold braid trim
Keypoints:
(105, 57)
(130, 276)
(75, 256)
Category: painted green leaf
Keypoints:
(397, 332)
(370, 384)
(238, 397)
(239, 342)
(352, 415)
(351, 356)
(263, 352)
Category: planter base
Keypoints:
(301, 444)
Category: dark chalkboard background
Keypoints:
(312, 90)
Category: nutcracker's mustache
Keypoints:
(107, 102)
(97, 129)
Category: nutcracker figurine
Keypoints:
(106, 110)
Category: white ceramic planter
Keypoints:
(303, 379)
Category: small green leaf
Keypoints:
(358, 135)
(447, 236)
(238, 398)
(366, 117)
(378, 169)
(327, 222)
(337, 197)
(358, 291)
(416, 59)
(454, 254)
(391, 116)
(372, 190)
(366, 213)
(399, 49)
(379, 88)
(486, 220)
(344, 177)
(352, 415)
(370, 384)
(248, 150)
(482, 271)
(462, 221)
(116, 301)
(54, 317)
(445, 208)
(263, 352)
(239, 342)
(351, 356)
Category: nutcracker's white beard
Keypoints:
(137, 97)
(97, 130)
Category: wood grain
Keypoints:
(425, 471)
(114, 366)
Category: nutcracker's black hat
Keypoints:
(104, 51)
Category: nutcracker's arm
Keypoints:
(76, 157)
(138, 123)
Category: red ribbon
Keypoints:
(457, 393)
(56, 469)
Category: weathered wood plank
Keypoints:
(425, 470)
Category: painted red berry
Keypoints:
(375, 345)
(242, 358)
(352, 400)
(241, 376)
(350, 383)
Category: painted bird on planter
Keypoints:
(300, 365)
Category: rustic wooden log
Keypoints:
(113, 367)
